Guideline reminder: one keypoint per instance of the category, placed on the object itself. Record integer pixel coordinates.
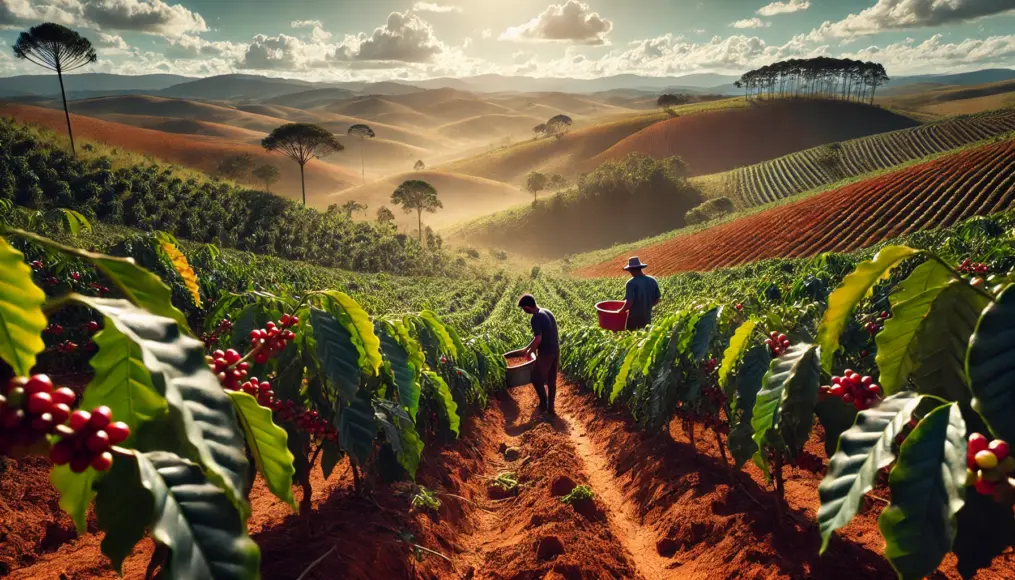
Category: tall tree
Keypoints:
(363, 132)
(267, 173)
(352, 206)
(539, 130)
(536, 182)
(668, 101)
(302, 142)
(558, 125)
(235, 167)
(419, 196)
(56, 48)
(385, 215)
(419, 165)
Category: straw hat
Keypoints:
(633, 263)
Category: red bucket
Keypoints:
(609, 318)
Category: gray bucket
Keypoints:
(521, 374)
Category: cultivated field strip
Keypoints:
(939, 193)
(779, 178)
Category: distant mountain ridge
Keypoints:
(257, 88)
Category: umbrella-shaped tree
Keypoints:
(558, 125)
(302, 142)
(363, 132)
(536, 182)
(267, 173)
(57, 48)
(419, 196)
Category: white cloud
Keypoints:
(935, 56)
(306, 24)
(146, 16)
(404, 38)
(570, 22)
(282, 52)
(467, 42)
(114, 41)
(189, 46)
(523, 56)
(486, 33)
(433, 7)
(903, 14)
(788, 7)
(751, 23)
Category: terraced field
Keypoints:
(779, 178)
(939, 193)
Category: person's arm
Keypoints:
(627, 299)
(536, 340)
(657, 296)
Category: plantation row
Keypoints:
(378, 389)
(792, 174)
(37, 174)
(936, 194)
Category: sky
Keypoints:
(415, 39)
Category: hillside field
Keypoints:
(979, 181)
(798, 172)
(717, 141)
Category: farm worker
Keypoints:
(641, 295)
(546, 344)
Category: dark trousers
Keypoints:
(544, 379)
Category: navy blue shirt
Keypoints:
(545, 325)
(643, 293)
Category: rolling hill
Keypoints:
(939, 193)
(721, 140)
(511, 164)
(189, 127)
(464, 197)
(173, 108)
(481, 127)
(812, 168)
(196, 152)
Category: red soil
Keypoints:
(936, 194)
(196, 152)
(717, 141)
(662, 509)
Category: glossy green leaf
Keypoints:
(406, 360)
(123, 510)
(21, 318)
(268, 444)
(444, 400)
(990, 365)
(74, 221)
(835, 417)
(749, 379)
(337, 353)
(121, 381)
(898, 343)
(853, 289)
(787, 398)
(863, 450)
(76, 493)
(704, 328)
(654, 344)
(446, 342)
(620, 381)
(357, 430)
(739, 343)
(198, 406)
(357, 322)
(928, 490)
(943, 345)
(400, 432)
(206, 536)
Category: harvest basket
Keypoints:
(609, 318)
(519, 374)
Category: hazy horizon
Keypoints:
(411, 41)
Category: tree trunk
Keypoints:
(66, 113)
(419, 224)
(362, 163)
(303, 184)
(267, 186)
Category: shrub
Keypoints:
(709, 210)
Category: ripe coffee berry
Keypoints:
(30, 408)
(861, 392)
(89, 444)
(777, 343)
(989, 466)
